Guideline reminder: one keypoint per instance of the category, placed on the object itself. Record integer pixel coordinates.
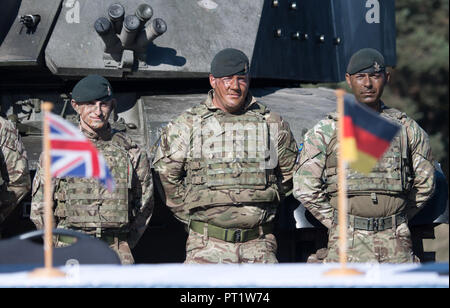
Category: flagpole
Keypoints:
(342, 196)
(342, 185)
(48, 270)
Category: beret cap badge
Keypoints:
(376, 67)
(366, 60)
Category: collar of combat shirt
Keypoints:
(104, 135)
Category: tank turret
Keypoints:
(157, 56)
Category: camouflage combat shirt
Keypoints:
(15, 177)
(310, 187)
(140, 195)
(237, 207)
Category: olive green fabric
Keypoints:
(373, 224)
(229, 62)
(367, 60)
(92, 87)
(231, 235)
(109, 239)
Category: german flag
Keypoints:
(366, 135)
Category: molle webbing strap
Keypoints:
(116, 217)
(385, 176)
(375, 223)
(87, 204)
(232, 235)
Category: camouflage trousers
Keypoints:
(388, 246)
(120, 247)
(123, 251)
(203, 249)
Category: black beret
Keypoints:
(92, 87)
(229, 62)
(366, 60)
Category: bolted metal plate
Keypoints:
(312, 40)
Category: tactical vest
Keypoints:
(85, 203)
(232, 155)
(392, 173)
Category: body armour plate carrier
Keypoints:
(85, 203)
(233, 155)
(391, 174)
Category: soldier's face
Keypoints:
(94, 115)
(230, 92)
(368, 87)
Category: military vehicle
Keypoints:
(157, 53)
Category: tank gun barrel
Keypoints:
(116, 14)
(153, 30)
(144, 12)
(105, 30)
(129, 30)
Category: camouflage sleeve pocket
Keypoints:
(36, 184)
(308, 154)
(160, 147)
(11, 142)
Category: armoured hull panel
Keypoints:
(286, 40)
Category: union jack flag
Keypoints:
(72, 154)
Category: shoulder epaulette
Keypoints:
(395, 113)
(123, 140)
(259, 108)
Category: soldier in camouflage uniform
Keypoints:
(380, 203)
(119, 218)
(14, 174)
(224, 165)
